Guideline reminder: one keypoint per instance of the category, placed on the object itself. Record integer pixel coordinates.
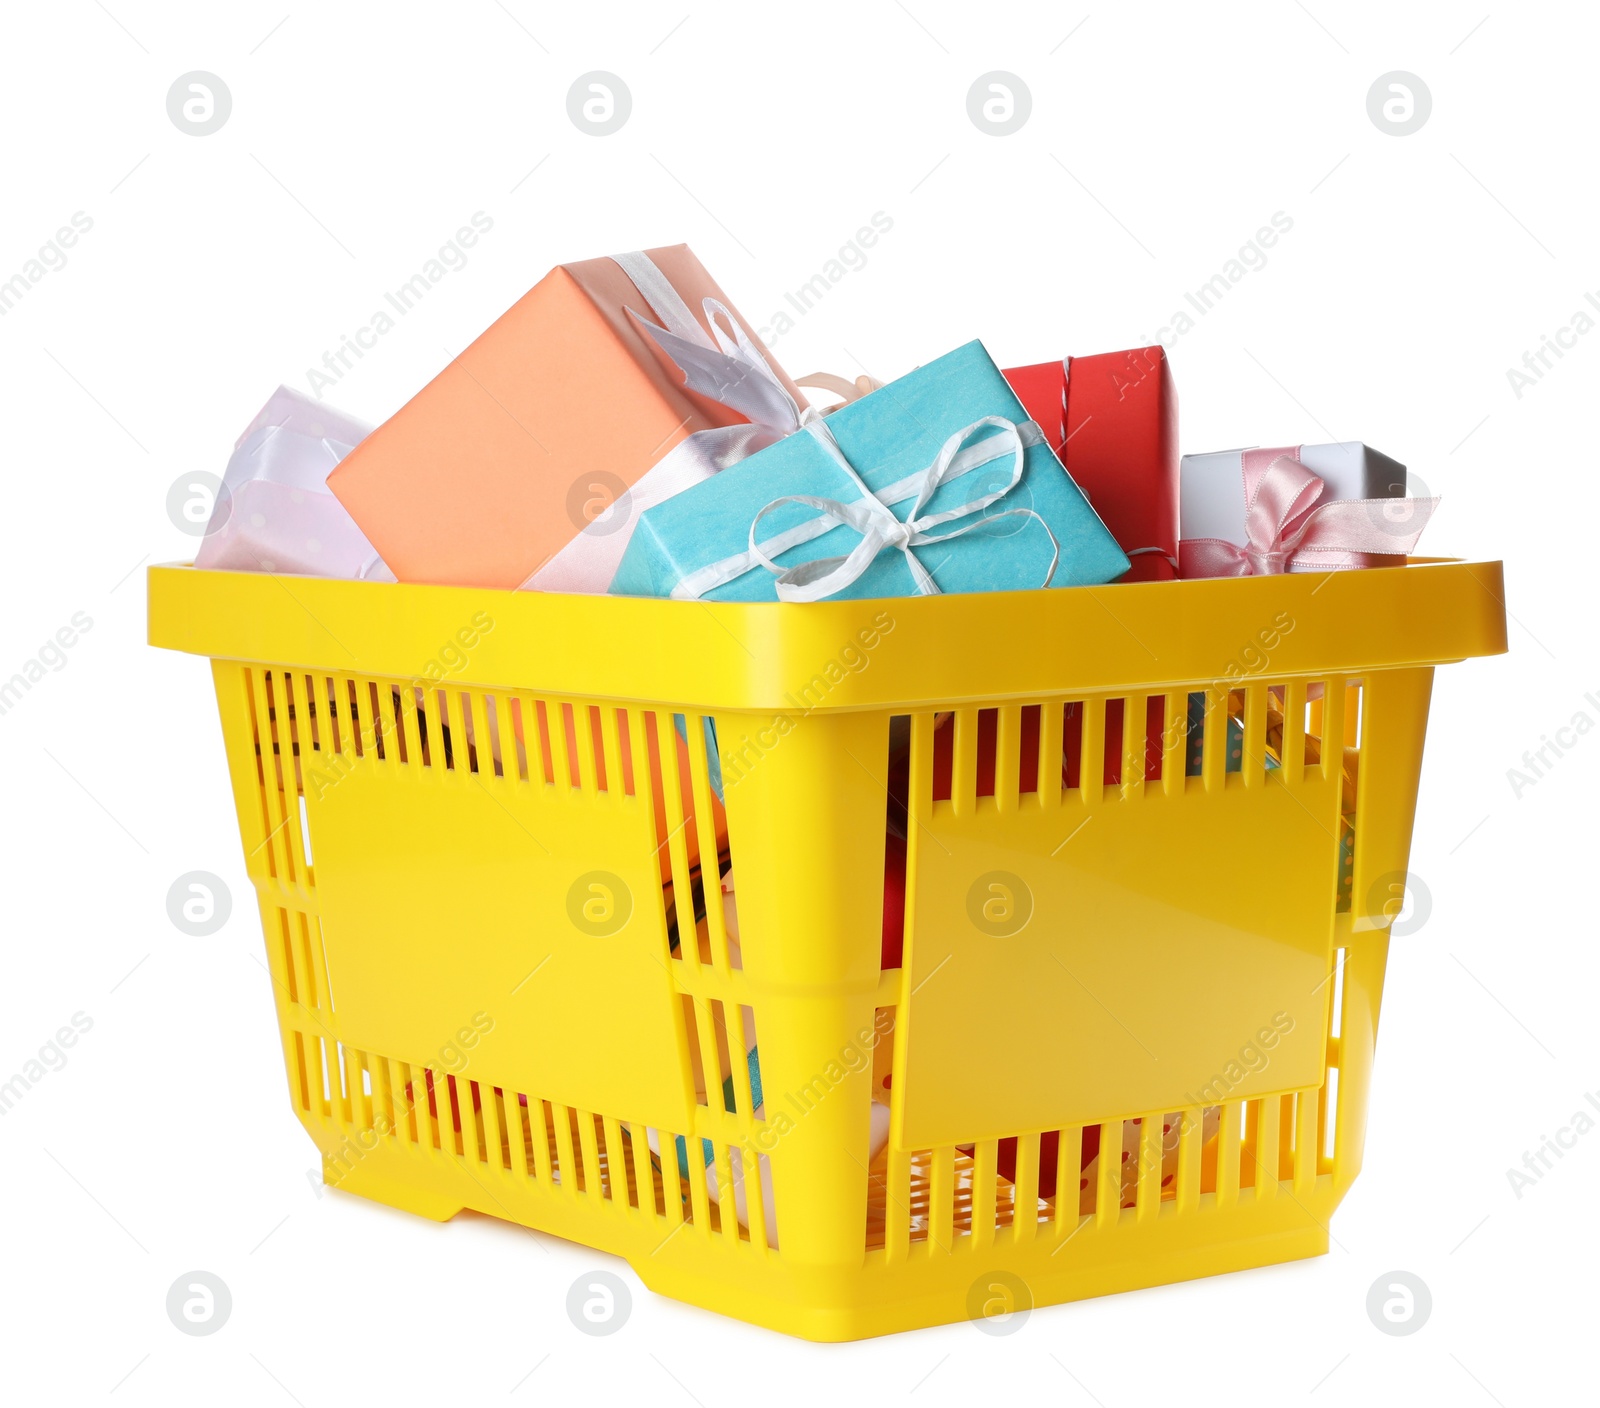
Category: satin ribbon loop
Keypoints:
(1290, 522)
(723, 364)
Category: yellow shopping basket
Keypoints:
(1129, 1039)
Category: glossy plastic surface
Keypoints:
(473, 837)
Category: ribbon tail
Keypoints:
(590, 559)
(1341, 533)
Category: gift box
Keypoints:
(1307, 508)
(935, 482)
(612, 384)
(275, 513)
(1112, 420)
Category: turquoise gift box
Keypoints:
(976, 531)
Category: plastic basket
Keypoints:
(483, 1004)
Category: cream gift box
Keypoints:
(1214, 490)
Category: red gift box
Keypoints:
(1113, 421)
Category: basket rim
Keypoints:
(901, 654)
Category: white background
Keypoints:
(1418, 271)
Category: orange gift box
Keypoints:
(540, 431)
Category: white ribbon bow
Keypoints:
(724, 365)
(871, 517)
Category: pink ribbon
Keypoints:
(1291, 522)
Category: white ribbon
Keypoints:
(871, 517)
(724, 365)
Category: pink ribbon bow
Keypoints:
(1290, 521)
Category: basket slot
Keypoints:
(1293, 754)
(461, 738)
(1266, 1147)
(1052, 743)
(664, 1172)
(486, 717)
(889, 1213)
(450, 1110)
(563, 1128)
(293, 804)
(300, 1083)
(303, 723)
(288, 727)
(284, 976)
(674, 846)
(547, 1144)
(1108, 1174)
(440, 1118)
(342, 743)
(592, 1170)
(384, 1098)
(594, 750)
(523, 1135)
(1025, 1204)
(321, 1085)
(614, 1161)
(303, 953)
(757, 1174)
(359, 1083)
(721, 1168)
(400, 714)
(428, 1123)
(1133, 763)
(1072, 746)
(1174, 742)
(334, 728)
(1229, 1141)
(617, 762)
(1023, 721)
(1214, 741)
(704, 1032)
(988, 769)
(536, 724)
(405, 1114)
(1332, 730)
(1191, 1133)
(495, 1127)
(1091, 751)
(1008, 758)
(344, 718)
(1307, 1140)
(577, 735)
(572, 769)
(380, 730)
(964, 761)
(274, 813)
(1327, 1120)
(482, 1121)
(691, 1172)
(482, 752)
(414, 701)
(1253, 755)
(985, 1209)
(710, 864)
(1147, 1188)
(942, 1195)
(1071, 1186)
(742, 1038)
(727, 1090)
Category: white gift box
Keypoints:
(1211, 502)
(275, 513)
